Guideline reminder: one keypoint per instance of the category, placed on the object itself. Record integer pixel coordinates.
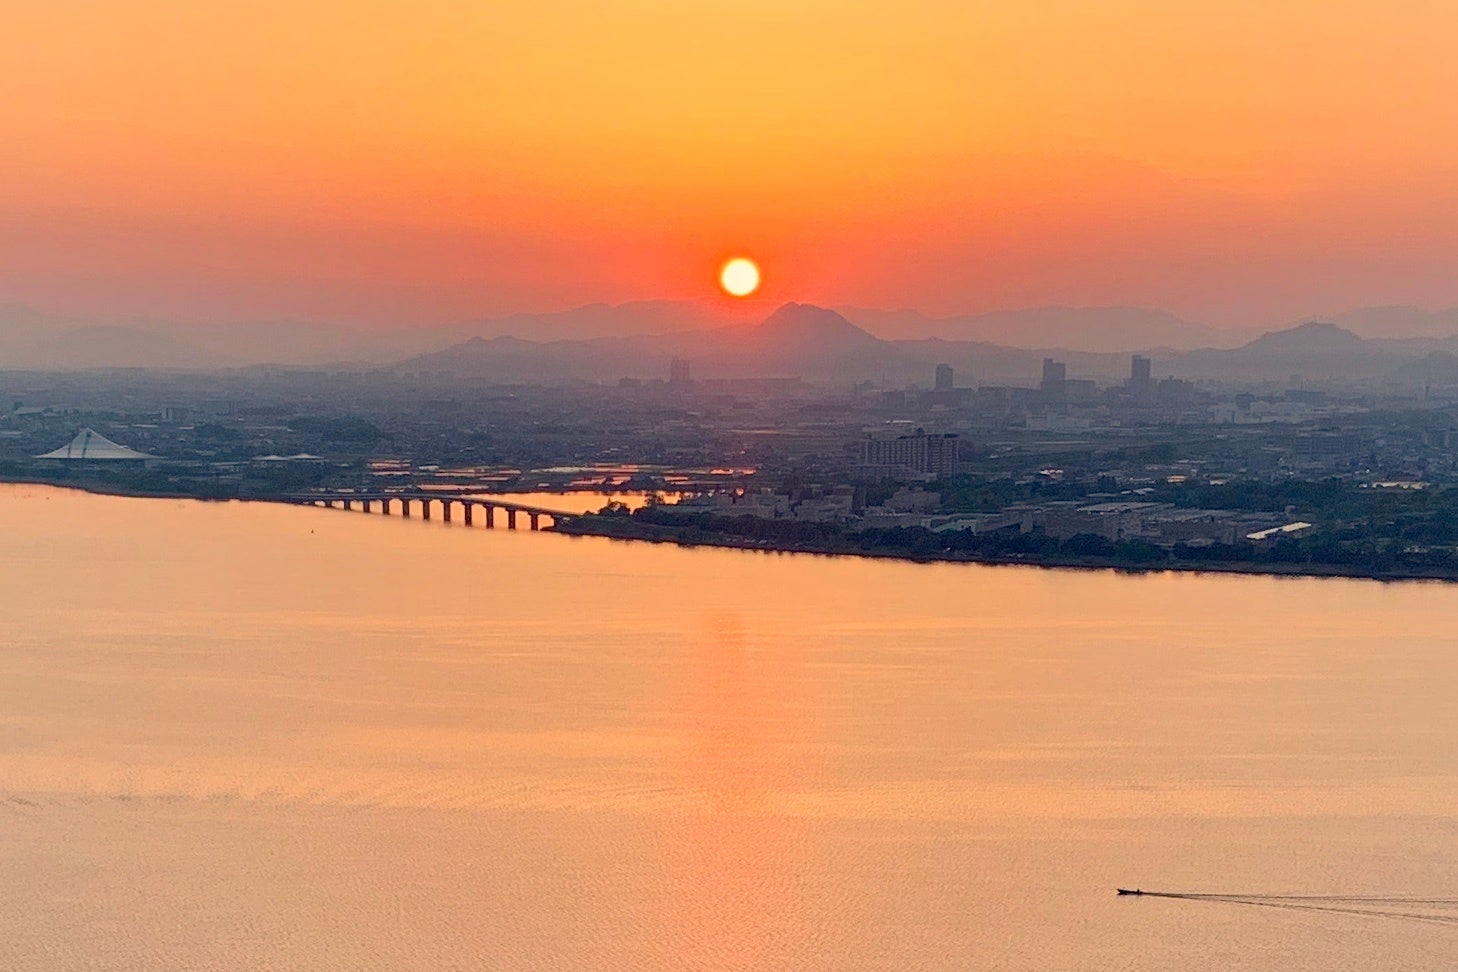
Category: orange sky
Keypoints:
(1236, 162)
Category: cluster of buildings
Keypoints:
(814, 504)
(1162, 524)
(1116, 520)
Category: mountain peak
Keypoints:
(1311, 336)
(808, 324)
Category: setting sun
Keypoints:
(739, 277)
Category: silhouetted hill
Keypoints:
(114, 346)
(801, 328)
(794, 339)
(1315, 350)
(1095, 329)
(310, 343)
(797, 340)
(612, 320)
(105, 346)
(1313, 337)
(1397, 323)
(32, 340)
(1437, 369)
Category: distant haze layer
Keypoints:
(1240, 164)
(601, 343)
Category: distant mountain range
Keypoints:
(800, 340)
(1096, 329)
(1398, 323)
(32, 340)
(748, 339)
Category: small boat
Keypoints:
(1127, 891)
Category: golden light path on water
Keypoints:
(254, 736)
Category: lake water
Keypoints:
(266, 737)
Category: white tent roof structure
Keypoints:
(90, 444)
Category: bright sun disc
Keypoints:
(739, 277)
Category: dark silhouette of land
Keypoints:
(753, 338)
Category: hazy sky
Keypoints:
(1233, 161)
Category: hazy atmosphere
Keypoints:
(790, 486)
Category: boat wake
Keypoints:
(1438, 911)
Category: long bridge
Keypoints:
(425, 500)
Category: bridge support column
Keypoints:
(510, 518)
(404, 507)
(536, 520)
(445, 507)
(470, 512)
(490, 517)
(425, 509)
(385, 506)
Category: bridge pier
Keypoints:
(471, 507)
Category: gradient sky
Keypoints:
(1236, 162)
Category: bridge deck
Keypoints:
(475, 499)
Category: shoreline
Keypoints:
(590, 526)
(630, 530)
(108, 489)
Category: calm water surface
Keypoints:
(264, 737)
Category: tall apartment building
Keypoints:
(919, 455)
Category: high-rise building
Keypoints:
(917, 455)
(1055, 380)
(678, 372)
(1141, 382)
(944, 377)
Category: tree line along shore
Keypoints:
(1360, 548)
